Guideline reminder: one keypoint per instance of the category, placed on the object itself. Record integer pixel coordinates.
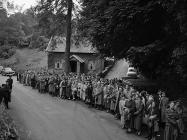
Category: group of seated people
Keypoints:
(136, 110)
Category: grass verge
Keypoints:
(8, 130)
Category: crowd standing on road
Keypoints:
(135, 109)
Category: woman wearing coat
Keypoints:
(131, 107)
(99, 95)
(68, 89)
(33, 80)
(138, 115)
(89, 93)
(153, 118)
(163, 105)
(171, 129)
(105, 94)
(113, 99)
(118, 96)
(51, 86)
(108, 99)
(180, 122)
(42, 84)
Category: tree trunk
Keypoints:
(182, 15)
(68, 37)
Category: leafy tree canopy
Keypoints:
(14, 28)
(52, 16)
(148, 33)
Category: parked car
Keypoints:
(8, 72)
(142, 84)
(1, 68)
(131, 72)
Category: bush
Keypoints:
(37, 41)
(8, 130)
(6, 51)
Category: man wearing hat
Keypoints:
(10, 82)
(5, 95)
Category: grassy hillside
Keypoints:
(26, 59)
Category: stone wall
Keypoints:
(93, 63)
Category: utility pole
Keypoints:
(68, 37)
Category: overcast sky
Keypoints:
(28, 3)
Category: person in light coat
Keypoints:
(138, 115)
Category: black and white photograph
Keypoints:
(93, 69)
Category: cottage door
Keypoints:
(73, 65)
(81, 67)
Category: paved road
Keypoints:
(119, 70)
(42, 117)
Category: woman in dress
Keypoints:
(51, 86)
(108, 99)
(153, 118)
(118, 96)
(68, 89)
(33, 80)
(113, 99)
(179, 108)
(171, 129)
(138, 114)
(163, 105)
(130, 108)
(99, 95)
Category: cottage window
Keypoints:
(57, 65)
(91, 66)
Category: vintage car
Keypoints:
(1, 68)
(8, 72)
(141, 84)
(132, 72)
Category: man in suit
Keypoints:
(5, 95)
(10, 82)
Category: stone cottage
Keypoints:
(83, 58)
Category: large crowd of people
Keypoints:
(137, 110)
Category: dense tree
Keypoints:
(150, 34)
(55, 18)
(10, 30)
(15, 28)
(52, 16)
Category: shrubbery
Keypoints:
(39, 42)
(8, 130)
(6, 51)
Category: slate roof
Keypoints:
(58, 44)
